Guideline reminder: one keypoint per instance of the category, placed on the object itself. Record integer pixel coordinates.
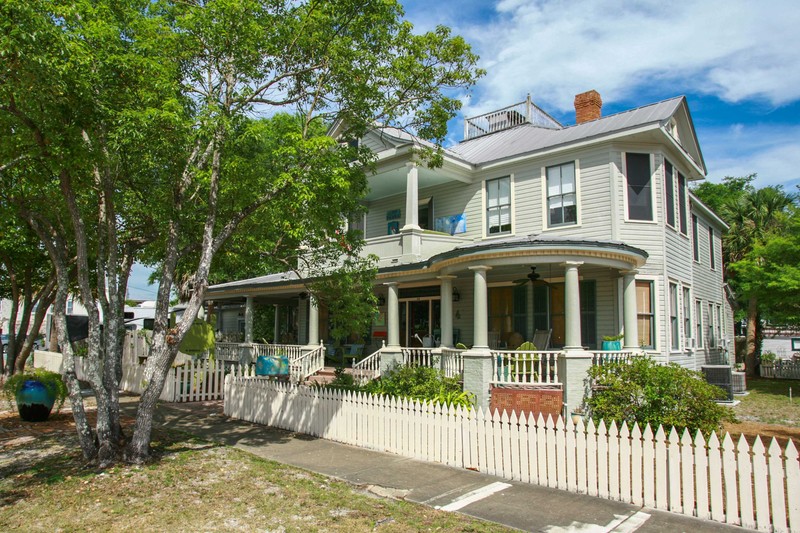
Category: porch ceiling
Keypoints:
(392, 181)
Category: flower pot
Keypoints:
(34, 401)
(576, 417)
(612, 345)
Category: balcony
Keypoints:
(410, 246)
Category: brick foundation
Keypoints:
(527, 400)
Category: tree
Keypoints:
(28, 281)
(757, 220)
(136, 120)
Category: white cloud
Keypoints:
(773, 152)
(735, 50)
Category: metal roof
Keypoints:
(252, 282)
(528, 138)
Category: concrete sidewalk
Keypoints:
(520, 505)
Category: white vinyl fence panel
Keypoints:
(732, 483)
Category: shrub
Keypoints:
(768, 357)
(645, 392)
(421, 383)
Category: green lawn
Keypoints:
(768, 402)
(193, 486)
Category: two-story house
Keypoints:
(588, 230)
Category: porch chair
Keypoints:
(541, 338)
(525, 363)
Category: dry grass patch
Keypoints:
(192, 485)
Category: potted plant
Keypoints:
(35, 393)
(612, 342)
(578, 414)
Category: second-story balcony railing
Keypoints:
(522, 113)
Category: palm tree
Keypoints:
(752, 217)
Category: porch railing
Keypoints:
(292, 351)
(227, 351)
(368, 368)
(420, 357)
(452, 362)
(532, 367)
(604, 357)
(307, 364)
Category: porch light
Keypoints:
(456, 294)
(381, 300)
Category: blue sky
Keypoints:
(738, 64)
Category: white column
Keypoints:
(572, 307)
(276, 338)
(412, 197)
(447, 310)
(393, 316)
(629, 312)
(481, 309)
(248, 320)
(313, 320)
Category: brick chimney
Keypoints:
(587, 106)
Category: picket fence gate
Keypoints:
(728, 482)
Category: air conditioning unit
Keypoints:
(721, 376)
(739, 383)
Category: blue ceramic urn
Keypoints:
(34, 401)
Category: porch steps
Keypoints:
(324, 376)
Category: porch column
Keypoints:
(313, 320)
(248, 320)
(392, 355)
(412, 197)
(478, 360)
(572, 307)
(629, 312)
(277, 325)
(393, 316)
(481, 310)
(447, 310)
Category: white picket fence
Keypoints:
(728, 482)
(781, 369)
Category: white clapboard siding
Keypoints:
(755, 487)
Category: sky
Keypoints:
(737, 63)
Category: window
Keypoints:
(70, 306)
(687, 313)
(698, 314)
(669, 192)
(425, 213)
(645, 309)
(720, 332)
(711, 258)
(695, 237)
(498, 206)
(712, 339)
(548, 312)
(673, 317)
(682, 201)
(561, 199)
(507, 311)
(640, 198)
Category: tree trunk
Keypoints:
(752, 323)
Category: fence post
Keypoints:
(390, 357)
(478, 375)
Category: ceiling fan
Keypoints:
(533, 278)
